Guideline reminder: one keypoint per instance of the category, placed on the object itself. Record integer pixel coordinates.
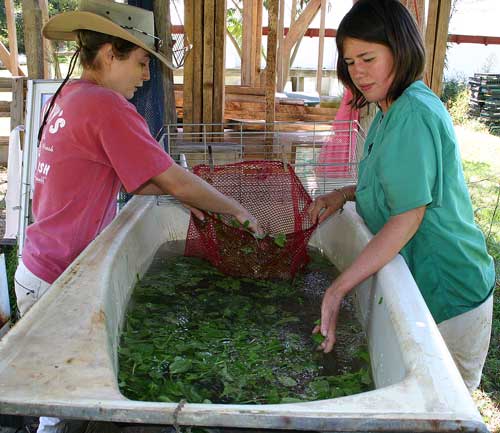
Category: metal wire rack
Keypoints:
(324, 155)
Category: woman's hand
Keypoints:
(243, 216)
(331, 203)
(330, 308)
(381, 249)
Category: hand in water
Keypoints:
(246, 219)
(330, 308)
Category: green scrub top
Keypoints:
(411, 159)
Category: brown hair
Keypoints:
(389, 23)
(90, 42)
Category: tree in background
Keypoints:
(4, 37)
(55, 7)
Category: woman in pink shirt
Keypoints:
(94, 143)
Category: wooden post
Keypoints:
(247, 43)
(187, 93)
(251, 43)
(272, 37)
(319, 74)
(430, 40)
(281, 65)
(163, 27)
(197, 84)
(205, 24)
(436, 38)
(258, 44)
(47, 44)
(208, 61)
(219, 54)
(193, 74)
(33, 38)
(17, 104)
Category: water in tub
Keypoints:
(192, 333)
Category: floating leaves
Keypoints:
(195, 334)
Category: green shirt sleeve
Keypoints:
(412, 170)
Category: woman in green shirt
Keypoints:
(411, 191)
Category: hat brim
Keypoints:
(62, 27)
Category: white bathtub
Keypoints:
(61, 359)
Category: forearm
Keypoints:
(193, 191)
(382, 248)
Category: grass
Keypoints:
(480, 152)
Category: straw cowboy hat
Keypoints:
(127, 22)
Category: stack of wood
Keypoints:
(485, 99)
(247, 104)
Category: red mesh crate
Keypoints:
(276, 197)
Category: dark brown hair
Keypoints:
(90, 42)
(389, 23)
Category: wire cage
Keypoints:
(324, 155)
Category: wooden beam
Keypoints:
(319, 74)
(33, 44)
(4, 55)
(331, 33)
(299, 27)
(13, 65)
(297, 30)
(293, 16)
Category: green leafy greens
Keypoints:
(195, 334)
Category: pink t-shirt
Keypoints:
(94, 142)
